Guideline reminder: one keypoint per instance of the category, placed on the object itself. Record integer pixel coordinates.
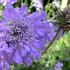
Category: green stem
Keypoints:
(12, 67)
(21, 1)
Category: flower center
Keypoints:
(17, 33)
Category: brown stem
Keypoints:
(58, 30)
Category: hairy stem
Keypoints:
(58, 30)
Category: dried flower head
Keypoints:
(63, 18)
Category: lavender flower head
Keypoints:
(58, 65)
(5, 1)
(25, 35)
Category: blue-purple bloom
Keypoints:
(24, 35)
(58, 65)
(6, 1)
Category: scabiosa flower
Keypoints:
(25, 34)
(5, 1)
(58, 65)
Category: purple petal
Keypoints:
(37, 16)
(23, 52)
(9, 13)
(18, 58)
(24, 10)
(13, 1)
(6, 1)
(28, 61)
(27, 48)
